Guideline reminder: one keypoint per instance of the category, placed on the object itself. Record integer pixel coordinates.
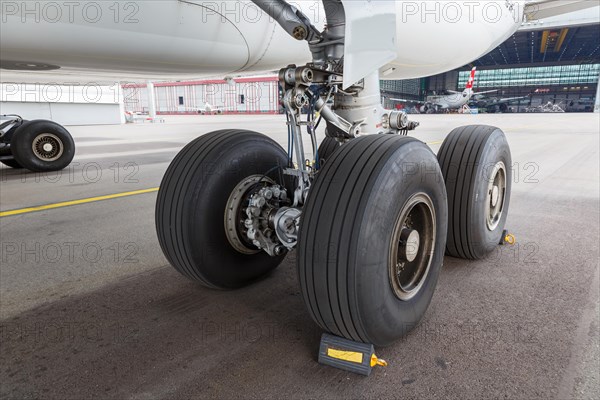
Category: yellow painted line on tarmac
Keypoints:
(93, 199)
(75, 202)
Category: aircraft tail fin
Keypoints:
(471, 79)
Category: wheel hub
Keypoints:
(412, 246)
(496, 196)
(287, 224)
(255, 219)
(235, 214)
(265, 221)
(47, 147)
(409, 244)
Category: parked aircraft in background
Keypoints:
(210, 109)
(453, 101)
(206, 109)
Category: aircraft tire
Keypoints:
(12, 164)
(352, 227)
(476, 163)
(191, 205)
(42, 146)
(327, 148)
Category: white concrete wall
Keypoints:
(66, 114)
(259, 96)
(67, 105)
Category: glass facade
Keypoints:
(410, 89)
(407, 87)
(533, 76)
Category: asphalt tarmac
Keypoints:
(90, 308)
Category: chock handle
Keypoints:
(508, 238)
(378, 361)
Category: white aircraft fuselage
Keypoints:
(175, 39)
(453, 101)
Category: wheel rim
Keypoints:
(238, 201)
(412, 246)
(47, 147)
(496, 196)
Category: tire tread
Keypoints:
(458, 157)
(349, 176)
(178, 183)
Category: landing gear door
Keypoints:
(370, 37)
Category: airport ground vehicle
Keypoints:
(370, 226)
(37, 145)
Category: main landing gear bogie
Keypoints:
(371, 236)
(370, 219)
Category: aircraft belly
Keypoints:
(163, 37)
(438, 36)
(178, 39)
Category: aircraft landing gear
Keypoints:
(38, 145)
(369, 219)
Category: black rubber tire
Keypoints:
(466, 158)
(326, 149)
(346, 233)
(23, 138)
(8, 136)
(6, 152)
(191, 204)
(12, 164)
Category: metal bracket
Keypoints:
(292, 20)
(365, 21)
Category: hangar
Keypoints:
(539, 63)
(559, 65)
